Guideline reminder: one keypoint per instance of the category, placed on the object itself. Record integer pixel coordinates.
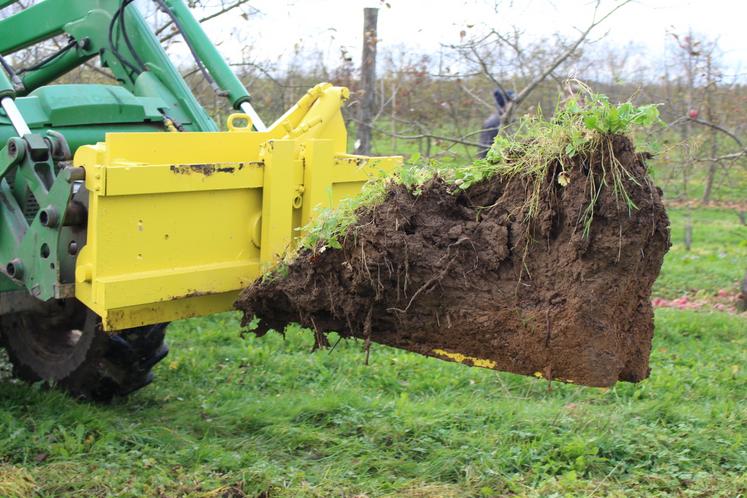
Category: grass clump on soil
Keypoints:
(578, 127)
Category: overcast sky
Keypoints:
(422, 25)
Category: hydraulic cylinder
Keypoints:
(7, 93)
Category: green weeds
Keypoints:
(329, 225)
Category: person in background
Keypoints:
(491, 125)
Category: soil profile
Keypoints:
(465, 275)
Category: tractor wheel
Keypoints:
(63, 344)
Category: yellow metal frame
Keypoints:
(179, 223)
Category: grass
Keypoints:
(264, 417)
(667, 171)
(717, 260)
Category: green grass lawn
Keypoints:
(265, 417)
(717, 259)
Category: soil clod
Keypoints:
(467, 276)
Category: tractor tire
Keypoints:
(62, 343)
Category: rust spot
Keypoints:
(195, 293)
(203, 169)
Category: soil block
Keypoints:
(466, 275)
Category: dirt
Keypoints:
(465, 276)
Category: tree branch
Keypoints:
(560, 59)
(207, 18)
(718, 128)
(427, 135)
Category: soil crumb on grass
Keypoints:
(466, 275)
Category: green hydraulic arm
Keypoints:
(214, 63)
(134, 55)
(88, 23)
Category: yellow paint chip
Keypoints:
(462, 358)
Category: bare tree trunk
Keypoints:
(690, 63)
(368, 81)
(395, 89)
(687, 131)
(713, 166)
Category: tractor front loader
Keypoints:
(123, 207)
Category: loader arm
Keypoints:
(93, 28)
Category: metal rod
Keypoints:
(247, 109)
(16, 119)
